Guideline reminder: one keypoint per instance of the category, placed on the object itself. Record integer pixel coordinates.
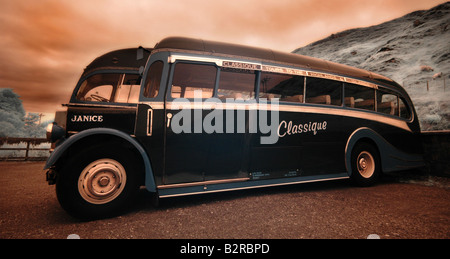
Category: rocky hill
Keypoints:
(414, 50)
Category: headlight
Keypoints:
(55, 132)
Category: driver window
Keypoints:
(99, 88)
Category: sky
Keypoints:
(46, 44)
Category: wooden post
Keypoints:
(428, 87)
(28, 148)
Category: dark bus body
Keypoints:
(192, 116)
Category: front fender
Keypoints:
(63, 147)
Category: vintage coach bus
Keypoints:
(192, 116)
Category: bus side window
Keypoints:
(360, 97)
(405, 113)
(288, 88)
(236, 84)
(128, 90)
(190, 78)
(387, 102)
(153, 79)
(323, 91)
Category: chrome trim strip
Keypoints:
(349, 112)
(180, 185)
(95, 105)
(262, 185)
(154, 105)
(302, 108)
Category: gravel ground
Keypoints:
(402, 206)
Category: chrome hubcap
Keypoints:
(365, 164)
(102, 181)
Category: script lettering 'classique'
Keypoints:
(289, 128)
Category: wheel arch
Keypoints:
(99, 134)
(368, 136)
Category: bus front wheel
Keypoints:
(98, 182)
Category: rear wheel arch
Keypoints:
(365, 137)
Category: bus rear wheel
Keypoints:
(365, 164)
(97, 183)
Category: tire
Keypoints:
(98, 183)
(365, 164)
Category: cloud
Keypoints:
(45, 44)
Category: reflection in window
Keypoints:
(128, 90)
(190, 78)
(323, 91)
(288, 88)
(236, 84)
(110, 87)
(98, 88)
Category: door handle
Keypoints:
(149, 122)
(169, 117)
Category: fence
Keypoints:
(14, 144)
(437, 83)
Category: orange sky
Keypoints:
(45, 44)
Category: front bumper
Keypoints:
(50, 176)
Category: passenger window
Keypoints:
(404, 110)
(153, 80)
(288, 88)
(188, 78)
(360, 97)
(236, 84)
(99, 88)
(387, 103)
(128, 90)
(323, 91)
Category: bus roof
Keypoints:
(125, 59)
(268, 55)
(134, 58)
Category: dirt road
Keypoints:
(406, 207)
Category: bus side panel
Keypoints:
(150, 133)
(308, 144)
(317, 144)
